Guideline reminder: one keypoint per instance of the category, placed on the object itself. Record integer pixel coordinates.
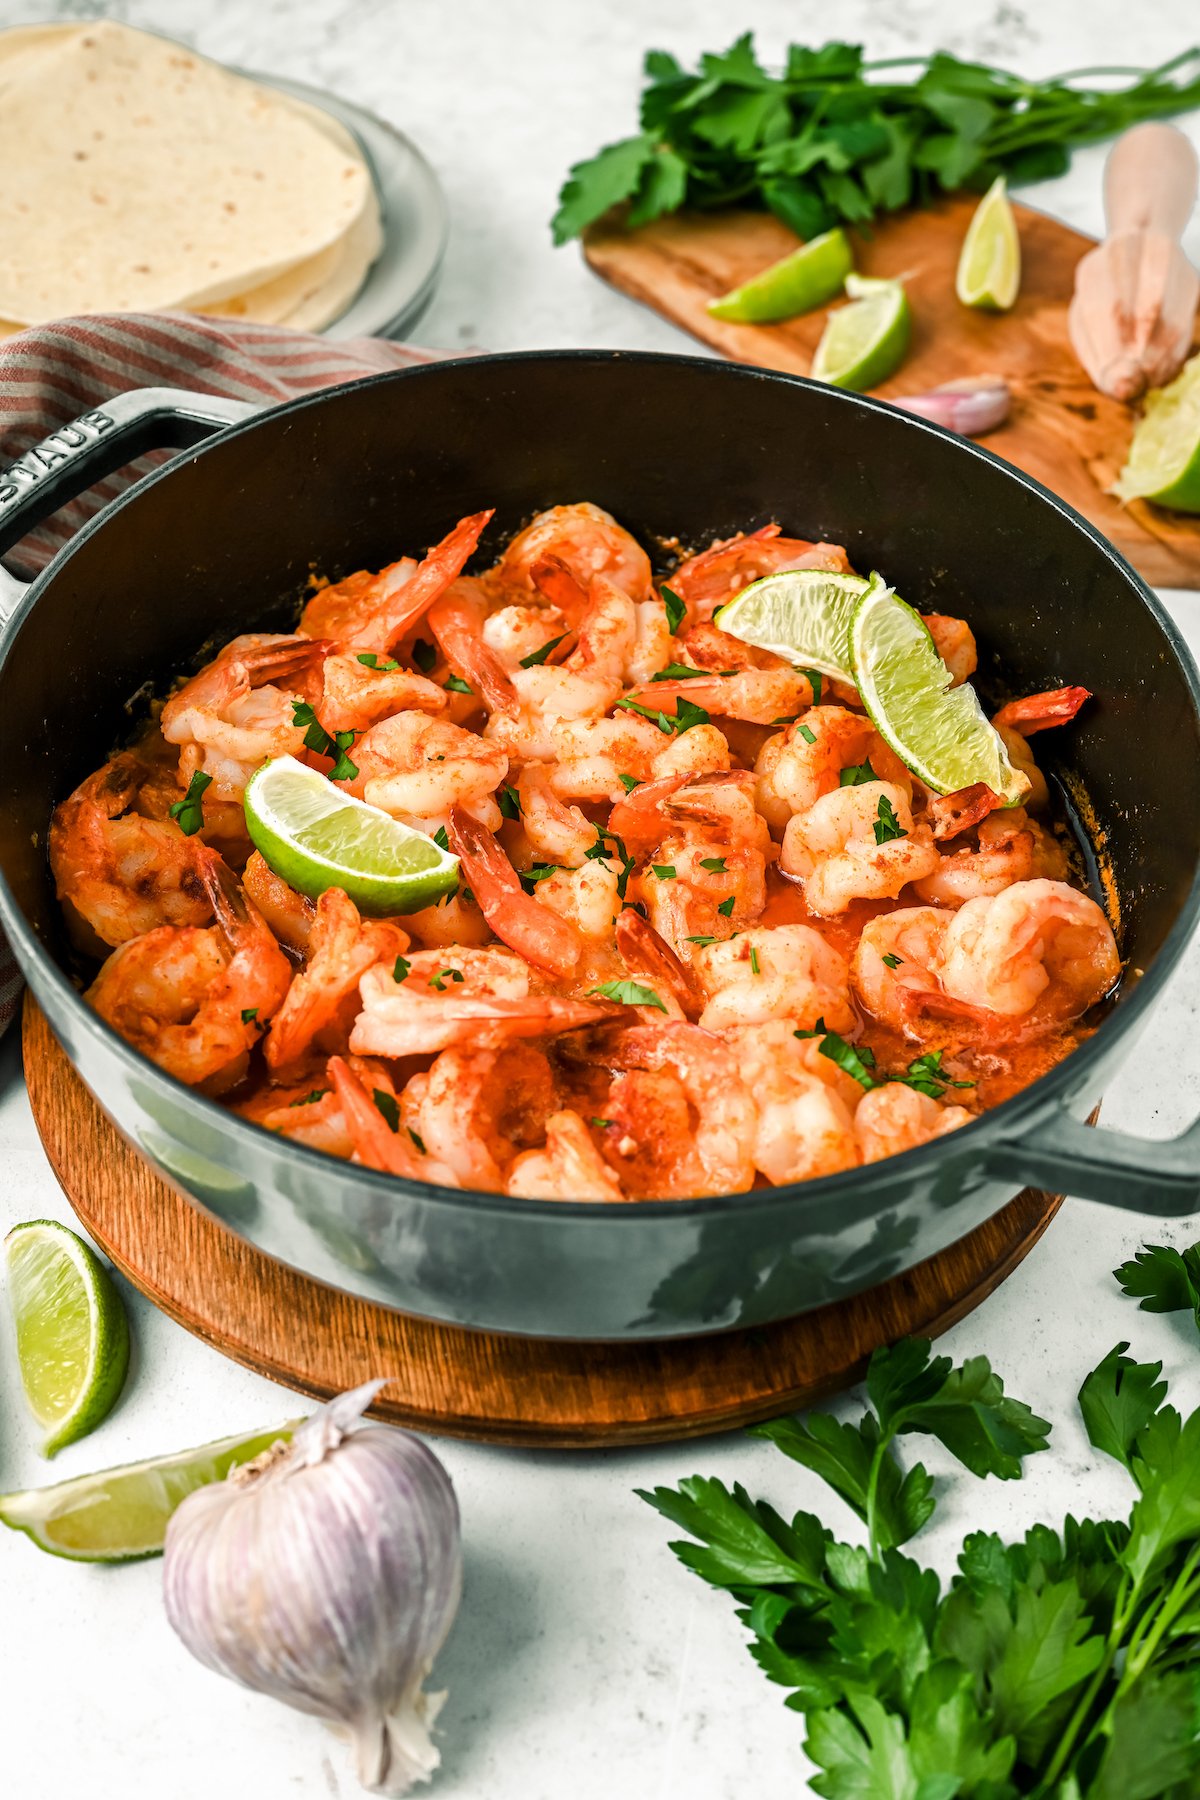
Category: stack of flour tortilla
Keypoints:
(140, 177)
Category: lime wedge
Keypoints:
(801, 614)
(72, 1333)
(798, 282)
(317, 837)
(1164, 457)
(865, 342)
(118, 1514)
(989, 264)
(940, 733)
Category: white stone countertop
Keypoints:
(585, 1660)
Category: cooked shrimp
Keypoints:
(644, 952)
(775, 972)
(954, 642)
(240, 709)
(708, 580)
(290, 915)
(193, 1000)
(760, 696)
(342, 947)
(1022, 759)
(587, 897)
(375, 1142)
(894, 1117)
(518, 920)
(454, 919)
(118, 872)
(835, 850)
(475, 1110)
(687, 1131)
(893, 964)
(586, 540)
(1039, 943)
(708, 647)
(456, 620)
(1039, 712)
(569, 1167)
(804, 1104)
(356, 695)
(373, 612)
(306, 1107)
(556, 830)
(1010, 847)
(418, 768)
(805, 762)
(515, 632)
(718, 806)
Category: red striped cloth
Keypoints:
(54, 372)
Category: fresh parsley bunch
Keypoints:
(1065, 1666)
(835, 138)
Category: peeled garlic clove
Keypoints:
(972, 406)
(327, 1574)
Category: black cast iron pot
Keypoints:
(223, 539)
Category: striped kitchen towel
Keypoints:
(50, 374)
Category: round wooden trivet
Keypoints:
(505, 1390)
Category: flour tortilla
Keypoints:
(144, 177)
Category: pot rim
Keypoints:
(1002, 1122)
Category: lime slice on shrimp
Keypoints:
(316, 837)
(802, 614)
(939, 732)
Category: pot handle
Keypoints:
(94, 445)
(1069, 1156)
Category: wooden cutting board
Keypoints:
(543, 1392)
(1072, 438)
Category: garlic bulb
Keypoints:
(326, 1573)
(972, 406)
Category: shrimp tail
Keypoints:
(274, 662)
(1038, 712)
(412, 599)
(456, 623)
(950, 814)
(645, 952)
(556, 583)
(375, 1143)
(526, 926)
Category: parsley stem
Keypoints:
(881, 1450)
(1144, 1642)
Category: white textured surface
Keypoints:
(585, 1660)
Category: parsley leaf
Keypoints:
(892, 961)
(441, 840)
(714, 864)
(1118, 1400)
(456, 685)
(371, 660)
(675, 671)
(249, 1014)
(602, 1124)
(1163, 1280)
(925, 1074)
(754, 968)
(388, 1106)
(684, 717)
(539, 656)
(418, 1140)
(856, 775)
(439, 980)
(629, 782)
(664, 871)
(400, 969)
(746, 1543)
(629, 993)
(424, 655)
(804, 731)
(530, 877)
(816, 682)
(701, 940)
(318, 739)
(857, 1063)
(188, 813)
(509, 802)
(343, 769)
(310, 1099)
(887, 825)
(726, 907)
(676, 608)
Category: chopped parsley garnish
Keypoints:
(629, 993)
(418, 1140)
(686, 715)
(664, 871)
(927, 1076)
(676, 609)
(629, 782)
(726, 907)
(539, 872)
(754, 960)
(424, 655)
(317, 738)
(887, 825)
(856, 774)
(714, 864)
(603, 1124)
(892, 961)
(816, 682)
(701, 940)
(188, 813)
(310, 1099)
(680, 672)
(249, 1014)
(807, 733)
(456, 685)
(439, 980)
(441, 840)
(509, 802)
(388, 1107)
(400, 969)
(371, 660)
(539, 656)
(857, 1063)
(600, 852)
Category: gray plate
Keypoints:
(400, 282)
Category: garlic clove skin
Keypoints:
(327, 1576)
(971, 406)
